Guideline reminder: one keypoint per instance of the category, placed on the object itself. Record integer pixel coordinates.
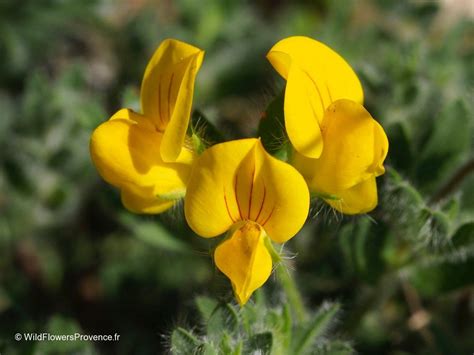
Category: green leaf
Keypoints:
(226, 347)
(208, 349)
(447, 146)
(464, 236)
(316, 328)
(155, 234)
(206, 307)
(452, 208)
(362, 244)
(222, 319)
(450, 270)
(259, 344)
(184, 342)
(336, 347)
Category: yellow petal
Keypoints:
(127, 114)
(286, 202)
(361, 198)
(354, 149)
(167, 92)
(303, 112)
(380, 149)
(245, 260)
(125, 151)
(239, 181)
(150, 205)
(210, 205)
(316, 76)
(175, 132)
(332, 74)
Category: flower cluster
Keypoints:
(237, 187)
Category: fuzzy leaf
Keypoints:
(316, 328)
(206, 306)
(448, 271)
(361, 244)
(259, 344)
(220, 319)
(184, 342)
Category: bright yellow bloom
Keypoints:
(340, 148)
(355, 147)
(238, 187)
(145, 155)
(316, 77)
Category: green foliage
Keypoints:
(447, 145)
(73, 260)
(258, 328)
(271, 129)
(448, 270)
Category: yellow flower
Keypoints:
(339, 147)
(145, 155)
(355, 147)
(316, 77)
(238, 187)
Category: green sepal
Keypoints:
(203, 133)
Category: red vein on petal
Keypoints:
(263, 202)
(169, 95)
(329, 91)
(271, 212)
(251, 191)
(317, 90)
(236, 197)
(159, 103)
(227, 207)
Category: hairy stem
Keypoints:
(292, 293)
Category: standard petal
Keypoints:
(167, 92)
(331, 73)
(126, 154)
(348, 157)
(211, 207)
(316, 76)
(361, 198)
(303, 113)
(245, 260)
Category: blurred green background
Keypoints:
(72, 259)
